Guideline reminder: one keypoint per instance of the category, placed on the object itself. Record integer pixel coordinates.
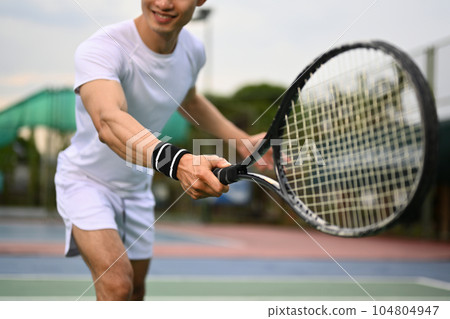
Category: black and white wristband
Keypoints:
(166, 158)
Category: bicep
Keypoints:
(102, 99)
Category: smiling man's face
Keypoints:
(168, 16)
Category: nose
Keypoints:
(164, 4)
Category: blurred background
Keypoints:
(255, 48)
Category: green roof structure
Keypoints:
(55, 109)
(49, 108)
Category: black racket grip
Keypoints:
(230, 174)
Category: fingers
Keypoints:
(200, 190)
(197, 179)
(266, 162)
(216, 161)
(204, 187)
(209, 183)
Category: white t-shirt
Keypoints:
(154, 86)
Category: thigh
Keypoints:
(104, 253)
(86, 204)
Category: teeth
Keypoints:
(162, 16)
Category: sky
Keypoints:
(247, 41)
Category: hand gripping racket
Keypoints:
(354, 140)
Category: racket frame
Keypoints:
(428, 116)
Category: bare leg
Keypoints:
(111, 270)
(140, 268)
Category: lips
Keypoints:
(163, 18)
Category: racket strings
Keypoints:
(347, 133)
(359, 140)
(337, 114)
(367, 132)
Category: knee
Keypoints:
(116, 286)
(122, 288)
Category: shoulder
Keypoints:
(190, 42)
(193, 47)
(110, 41)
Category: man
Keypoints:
(130, 77)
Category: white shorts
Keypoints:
(92, 205)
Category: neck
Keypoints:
(162, 43)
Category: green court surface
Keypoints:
(204, 288)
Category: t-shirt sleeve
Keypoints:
(201, 60)
(196, 53)
(97, 58)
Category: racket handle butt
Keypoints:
(228, 175)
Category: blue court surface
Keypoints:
(195, 265)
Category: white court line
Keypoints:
(234, 298)
(293, 298)
(434, 283)
(388, 280)
(45, 277)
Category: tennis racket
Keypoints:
(354, 141)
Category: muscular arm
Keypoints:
(106, 104)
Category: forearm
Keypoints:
(106, 104)
(128, 138)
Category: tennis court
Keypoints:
(234, 262)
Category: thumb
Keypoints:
(217, 162)
(222, 163)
